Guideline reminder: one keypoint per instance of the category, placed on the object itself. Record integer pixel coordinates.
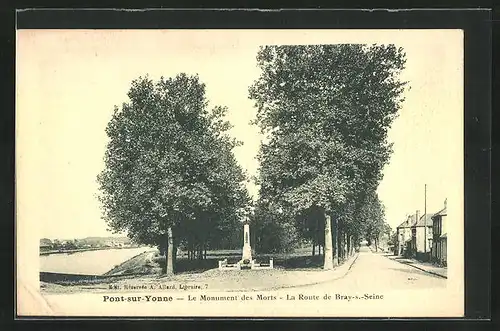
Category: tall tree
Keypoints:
(170, 174)
(372, 215)
(325, 111)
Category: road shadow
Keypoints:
(415, 271)
(408, 271)
(300, 262)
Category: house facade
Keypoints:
(439, 239)
(404, 235)
(422, 236)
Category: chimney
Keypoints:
(417, 215)
(445, 202)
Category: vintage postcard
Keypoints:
(240, 173)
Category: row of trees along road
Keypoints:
(171, 179)
(170, 176)
(325, 111)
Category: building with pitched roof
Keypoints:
(404, 235)
(422, 237)
(439, 238)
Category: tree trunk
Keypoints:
(340, 241)
(376, 244)
(328, 259)
(169, 269)
(317, 235)
(335, 242)
(165, 252)
(345, 246)
(174, 259)
(348, 246)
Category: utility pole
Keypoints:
(425, 221)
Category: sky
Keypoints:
(68, 82)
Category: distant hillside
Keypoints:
(104, 240)
(93, 241)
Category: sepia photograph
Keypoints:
(240, 173)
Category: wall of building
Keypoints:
(404, 234)
(423, 242)
(443, 226)
(443, 250)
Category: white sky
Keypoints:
(69, 81)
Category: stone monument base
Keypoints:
(247, 253)
(252, 265)
(246, 262)
(255, 265)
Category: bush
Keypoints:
(277, 238)
(159, 259)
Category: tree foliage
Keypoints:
(169, 164)
(325, 111)
(372, 215)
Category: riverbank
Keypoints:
(141, 264)
(93, 262)
(79, 250)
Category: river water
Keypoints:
(90, 262)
